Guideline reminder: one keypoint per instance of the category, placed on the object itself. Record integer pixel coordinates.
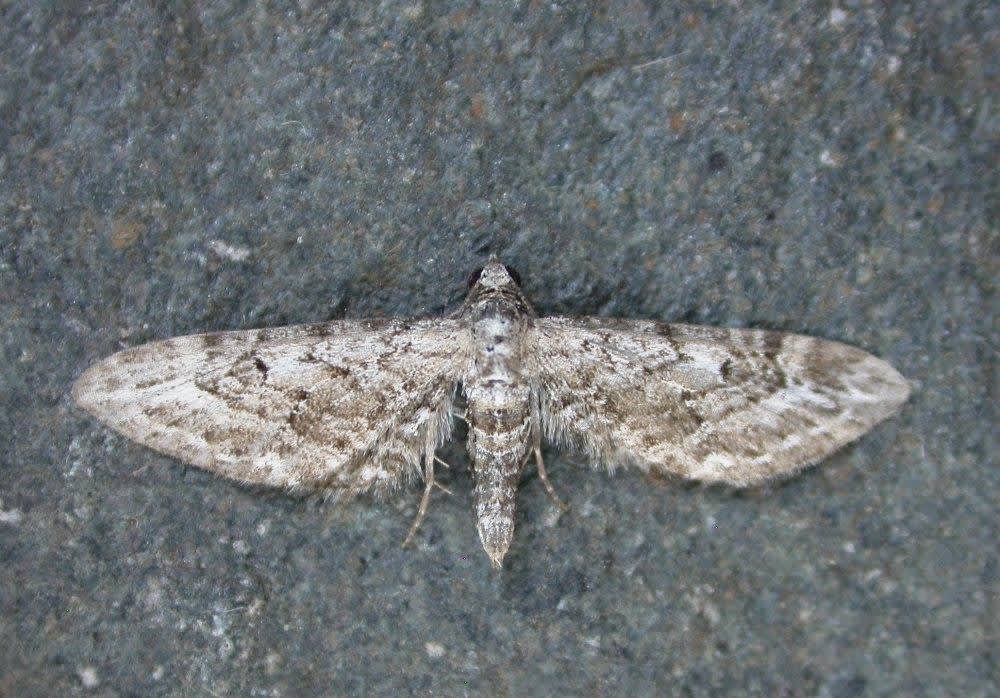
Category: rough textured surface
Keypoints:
(827, 169)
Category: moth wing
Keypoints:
(343, 406)
(718, 405)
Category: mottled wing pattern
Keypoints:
(717, 405)
(345, 407)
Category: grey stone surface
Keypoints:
(828, 169)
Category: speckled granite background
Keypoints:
(821, 168)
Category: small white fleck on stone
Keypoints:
(837, 17)
(230, 252)
(434, 650)
(829, 159)
(710, 612)
(413, 12)
(272, 662)
(11, 517)
(872, 575)
(893, 64)
(240, 546)
(88, 677)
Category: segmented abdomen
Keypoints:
(499, 439)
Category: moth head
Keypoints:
(494, 275)
(493, 288)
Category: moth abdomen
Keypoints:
(499, 441)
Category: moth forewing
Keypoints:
(718, 405)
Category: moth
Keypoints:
(361, 406)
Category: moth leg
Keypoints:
(425, 500)
(536, 447)
(543, 476)
(438, 484)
